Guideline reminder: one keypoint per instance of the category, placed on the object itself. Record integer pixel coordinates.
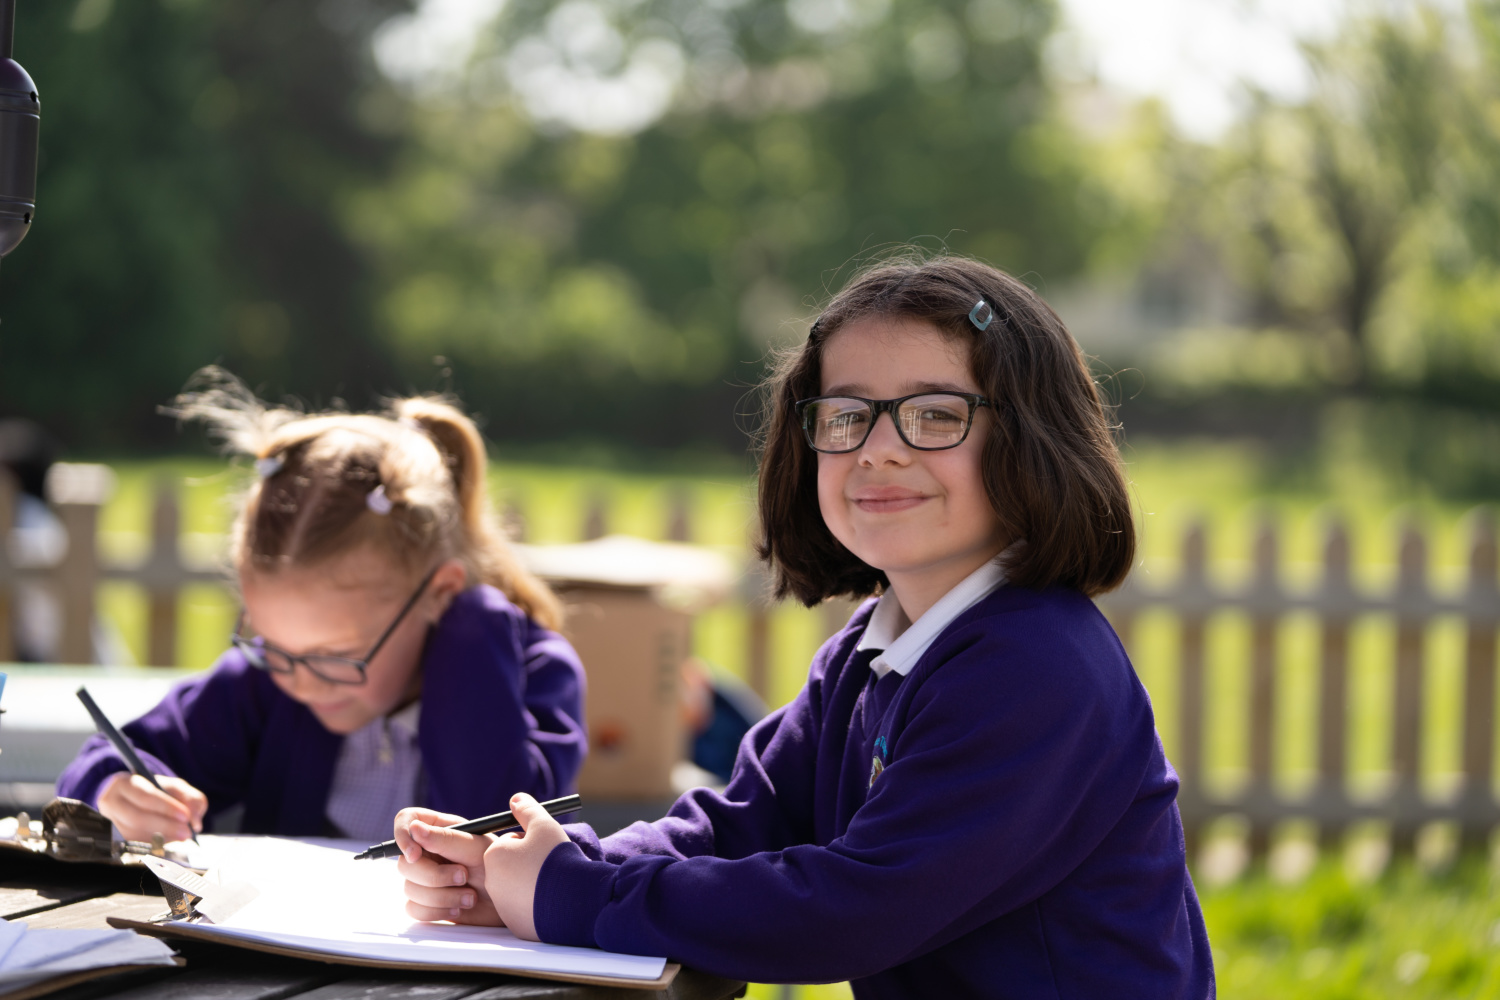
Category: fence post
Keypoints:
(1192, 588)
(1123, 623)
(595, 518)
(679, 514)
(77, 492)
(1479, 685)
(513, 521)
(1264, 599)
(1333, 682)
(757, 596)
(1406, 743)
(164, 569)
(7, 570)
(835, 614)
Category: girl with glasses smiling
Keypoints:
(968, 798)
(391, 650)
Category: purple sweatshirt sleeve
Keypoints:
(502, 708)
(768, 803)
(222, 712)
(992, 795)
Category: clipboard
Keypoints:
(307, 899)
(169, 929)
(75, 832)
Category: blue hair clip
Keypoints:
(981, 315)
(378, 502)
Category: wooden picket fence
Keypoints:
(76, 494)
(1194, 599)
(1338, 605)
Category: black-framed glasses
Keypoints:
(927, 421)
(333, 669)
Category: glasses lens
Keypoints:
(938, 420)
(336, 669)
(258, 656)
(838, 423)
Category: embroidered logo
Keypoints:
(876, 763)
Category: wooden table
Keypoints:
(48, 893)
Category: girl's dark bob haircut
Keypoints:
(1051, 466)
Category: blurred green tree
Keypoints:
(192, 157)
(1360, 230)
(1324, 197)
(617, 209)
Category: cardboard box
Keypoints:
(632, 650)
(630, 604)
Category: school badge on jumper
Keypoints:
(876, 763)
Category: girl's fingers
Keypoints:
(195, 801)
(446, 898)
(482, 914)
(461, 848)
(140, 794)
(410, 849)
(141, 811)
(530, 814)
(431, 913)
(430, 871)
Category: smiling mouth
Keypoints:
(889, 503)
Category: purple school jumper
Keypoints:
(1001, 822)
(502, 711)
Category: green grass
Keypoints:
(1407, 935)
(1410, 934)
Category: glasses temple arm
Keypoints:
(411, 602)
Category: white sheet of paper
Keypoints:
(314, 895)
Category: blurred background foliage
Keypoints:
(599, 222)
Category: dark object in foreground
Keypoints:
(498, 823)
(20, 127)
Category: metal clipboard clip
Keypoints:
(190, 895)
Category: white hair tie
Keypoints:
(377, 501)
(269, 466)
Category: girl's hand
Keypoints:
(139, 811)
(512, 863)
(444, 869)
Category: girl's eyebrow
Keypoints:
(908, 389)
(329, 649)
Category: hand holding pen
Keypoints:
(474, 878)
(141, 804)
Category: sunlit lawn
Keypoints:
(1409, 934)
(1269, 938)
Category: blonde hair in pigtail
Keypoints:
(491, 558)
(409, 482)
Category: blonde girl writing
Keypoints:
(391, 651)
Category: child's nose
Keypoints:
(302, 682)
(884, 443)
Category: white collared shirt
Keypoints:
(377, 773)
(900, 651)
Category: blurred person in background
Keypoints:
(717, 710)
(37, 537)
